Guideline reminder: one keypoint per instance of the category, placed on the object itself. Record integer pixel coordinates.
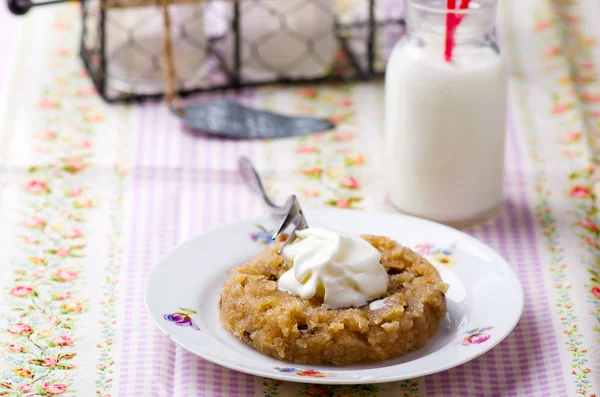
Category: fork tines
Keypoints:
(294, 217)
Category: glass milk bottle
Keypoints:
(445, 115)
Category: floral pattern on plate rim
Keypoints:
(183, 318)
(476, 336)
(265, 236)
(311, 373)
(439, 256)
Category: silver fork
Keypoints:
(288, 214)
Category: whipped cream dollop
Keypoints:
(341, 269)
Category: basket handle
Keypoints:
(21, 7)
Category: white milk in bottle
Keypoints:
(445, 119)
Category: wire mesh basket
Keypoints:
(229, 44)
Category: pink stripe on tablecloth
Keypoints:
(527, 362)
(172, 163)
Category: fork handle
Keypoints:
(253, 181)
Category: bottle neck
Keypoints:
(427, 21)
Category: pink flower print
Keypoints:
(74, 164)
(589, 224)
(66, 275)
(30, 240)
(36, 187)
(592, 242)
(62, 340)
(310, 193)
(21, 290)
(342, 136)
(102, 367)
(349, 182)
(20, 329)
(62, 52)
(552, 51)
(560, 108)
(48, 134)
(49, 362)
(15, 348)
(38, 274)
(63, 252)
(572, 348)
(586, 371)
(336, 118)
(55, 388)
(347, 103)
(587, 65)
(72, 307)
(571, 137)
(85, 108)
(306, 149)
(596, 292)
(53, 320)
(25, 387)
(76, 191)
(63, 295)
(35, 222)
(85, 144)
(590, 98)
(579, 191)
(49, 104)
(89, 91)
(580, 390)
(573, 18)
(542, 25)
(73, 233)
(342, 203)
(475, 339)
(308, 92)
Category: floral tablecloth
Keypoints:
(91, 195)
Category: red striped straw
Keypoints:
(452, 22)
(451, 5)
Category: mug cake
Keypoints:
(333, 298)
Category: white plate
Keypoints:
(485, 298)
